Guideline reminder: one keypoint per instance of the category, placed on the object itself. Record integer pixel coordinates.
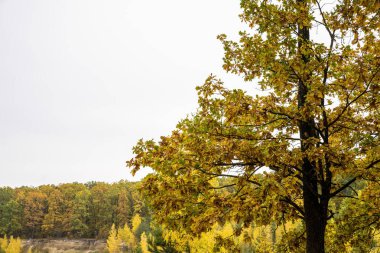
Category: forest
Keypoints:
(118, 213)
(68, 210)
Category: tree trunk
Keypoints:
(315, 220)
(314, 214)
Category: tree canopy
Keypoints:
(285, 154)
(72, 210)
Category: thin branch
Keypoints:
(372, 164)
(367, 225)
(226, 175)
(348, 104)
(324, 20)
(346, 196)
(257, 126)
(249, 138)
(223, 186)
(293, 204)
(342, 188)
(293, 118)
(241, 164)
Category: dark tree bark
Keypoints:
(315, 210)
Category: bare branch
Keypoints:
(324, 20)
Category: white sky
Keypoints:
(82, 80)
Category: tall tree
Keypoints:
(124, 207)
(52, 223)
(10, 212)
(127, 237)
(80, 214)
(101, 210)
(69, 192)
(113, 242)
(309, 135)
(35, 208)
(11, 218)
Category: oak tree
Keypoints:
(308, 137)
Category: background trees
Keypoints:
(288, 152)
(68, 210)
(140, 232)
(35, 208)
(10, 212)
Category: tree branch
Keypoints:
(227, 175)
(342, 188)
(348, 104)
(294, 205)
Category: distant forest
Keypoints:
(72, 210)
(119, 213)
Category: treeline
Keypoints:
(118, 212)
(72, 210)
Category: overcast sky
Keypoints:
(82, 80)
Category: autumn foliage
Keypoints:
(304, 148)
(68, 210)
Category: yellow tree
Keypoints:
(136, 222)
(113, 242)
(144, 243)
(308, 138)
(14, 245)
(11, 245)
(4, 243)
(127, 237)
